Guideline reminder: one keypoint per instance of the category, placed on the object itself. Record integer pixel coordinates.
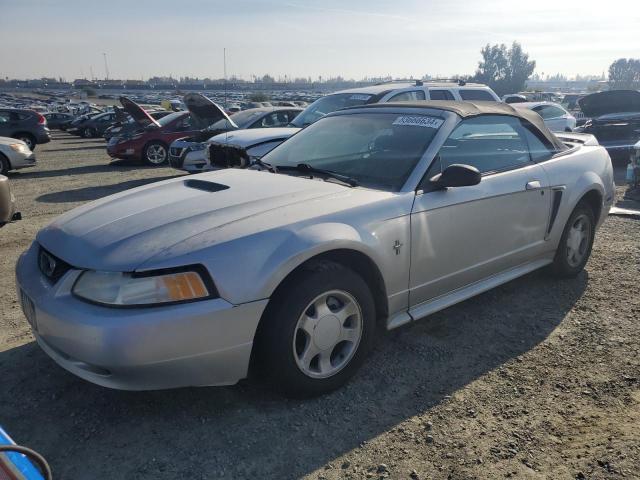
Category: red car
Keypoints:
(150, 143)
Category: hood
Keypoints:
(253, 136)
(205, 111)
(613, 101)
(140, 116)
(9, 141)
(123, 231)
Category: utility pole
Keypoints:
(224, 60)
(106, 67)
(91, 72)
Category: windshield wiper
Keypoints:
(268, 166)
(306, 168)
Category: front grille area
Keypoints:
(175, 151)
(51, 266)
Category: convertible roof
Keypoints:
(475, 109)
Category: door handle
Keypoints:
(533, 185)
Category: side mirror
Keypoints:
(456, 175)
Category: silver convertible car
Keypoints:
(372, 217)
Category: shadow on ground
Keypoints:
(89, 432)
(93, 193)
(114, 166)
(75, 149)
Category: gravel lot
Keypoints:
(539, 378)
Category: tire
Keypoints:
(155, 154)
(342, 336)
(574, 248)
(89, 133)
(27, 138)
(5, 166)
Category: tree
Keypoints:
(504, 70)
(625, 74)
(259, 97)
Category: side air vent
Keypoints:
(205, 186)
(555, 206)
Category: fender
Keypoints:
(311, 241)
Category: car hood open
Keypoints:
(123, 231)
(613, 101)
(140, 116)
(204, 111)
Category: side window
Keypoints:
(291, 114)
(441, 95)
(548, 111)
(491, 143)
(183, 124)
(269, 121)
(481, 95)
(539, 147)
(408, 96)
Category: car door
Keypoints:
(463, 235)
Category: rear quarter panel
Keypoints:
(579, 171)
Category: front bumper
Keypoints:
(193, 161)
(21, 160)
(192, 344)
(122, 151)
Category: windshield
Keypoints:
(239, 118)
(377, 150)
(328, 104)
(166, 120)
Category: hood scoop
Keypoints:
(205, 186)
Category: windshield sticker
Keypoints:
(418, 121)
(360, 97)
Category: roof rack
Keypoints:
(419, 83)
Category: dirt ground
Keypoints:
(537, 379)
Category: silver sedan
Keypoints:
(15, 154)
(370, 218)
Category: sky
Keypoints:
(302, 38)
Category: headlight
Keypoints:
(197, 147)
(20, 148)
(146, 289)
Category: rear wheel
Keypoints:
(89, 132)
(317, 330)
(5, 166)
(576, 242)
(155, 154)
(28, 139)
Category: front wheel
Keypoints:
(28, 139)
(317, 330)
(575, 244)
(155, 154)
(4, 165)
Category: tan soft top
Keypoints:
(475, 109)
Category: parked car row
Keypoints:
(193, 158)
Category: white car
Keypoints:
(555, 117)
(15, 154)
(381, 93)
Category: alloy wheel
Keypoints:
(156, 154)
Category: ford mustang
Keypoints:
(373, 217)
